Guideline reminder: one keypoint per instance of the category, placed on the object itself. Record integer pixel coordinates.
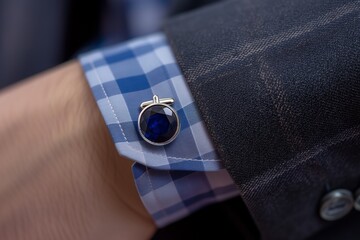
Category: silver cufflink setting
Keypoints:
(158, 122)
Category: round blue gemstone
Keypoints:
(158, 123)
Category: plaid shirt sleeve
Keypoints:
(172, 180)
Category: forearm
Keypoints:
(61, 177)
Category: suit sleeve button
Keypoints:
(357, 200)
(336, 204)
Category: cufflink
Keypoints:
(158, 122)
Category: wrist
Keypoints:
(60, 170)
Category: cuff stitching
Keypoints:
(122, 131)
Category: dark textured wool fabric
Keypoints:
(226, 220)
(278, 85)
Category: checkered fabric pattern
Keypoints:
(171, 195)
(173, 180)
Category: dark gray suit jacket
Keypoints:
(277, 83)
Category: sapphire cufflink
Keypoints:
(158, 123)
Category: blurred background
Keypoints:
(38, 34)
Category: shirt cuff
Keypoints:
(124, 76)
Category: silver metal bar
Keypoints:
(156, 99)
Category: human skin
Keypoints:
(60, 174)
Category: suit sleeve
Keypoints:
(277, 84)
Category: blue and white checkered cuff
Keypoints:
(173, 180)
